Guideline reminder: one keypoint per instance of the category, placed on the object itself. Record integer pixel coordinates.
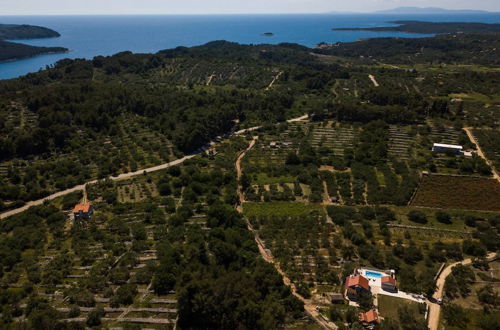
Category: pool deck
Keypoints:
(376, 287)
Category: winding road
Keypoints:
(309, 307)
(480, 152)
(126, 176)
(435, 309)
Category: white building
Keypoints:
(441, 147)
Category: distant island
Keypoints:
(17, 32)
(268, 34)
(431, 27)
(14, 51)
(429, 11)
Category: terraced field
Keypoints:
(400, 143)
(337, 137)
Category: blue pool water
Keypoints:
(89, 36)
(373, 274)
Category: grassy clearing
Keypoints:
(457, 217)
(263, 178)
(388, 307)
(280, 209)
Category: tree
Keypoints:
(365, 301)
(455, 316)
(351, 315)
(334, 314)
(164, 189)
(488, 295)
(94, 317)
(163, 281)
(126, 293)
(443, 217)
(417, 216)
(408, 321)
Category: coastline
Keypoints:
(32, 56)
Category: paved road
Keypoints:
(124, 176)
(435, 309)
(480, 152)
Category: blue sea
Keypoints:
(89, 36)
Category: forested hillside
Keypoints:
(466, 49)
(433, 27)
(259, 229)
(13, 50)
(12, 31)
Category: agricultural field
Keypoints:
(207, 244)
(458, 192)
(123, 266)
(133, 146)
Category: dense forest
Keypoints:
(446, 49)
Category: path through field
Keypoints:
(309, 307)
(274, 80)
(435, 309)
(480, 152)
(125, 176)
(374, 81)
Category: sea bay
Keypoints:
(89, 36)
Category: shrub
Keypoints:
(417, 216)
(443, 217)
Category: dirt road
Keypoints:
(309, 307)
(274, 80)
(374, 81)
(125, 176)
(480, 152)
(435, 309)
(81, 187)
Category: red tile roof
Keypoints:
(388, 279)
(81, 208)
(369, 317)
(357, 280)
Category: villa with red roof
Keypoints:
(368, 318)
(354, 285)
(83, 211)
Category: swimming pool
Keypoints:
(373, 274)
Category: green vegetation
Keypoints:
(475, 193)
(187, 245)
(14, 51)
(460, 48)
(341, 190)
(401, 310)
(472, 296)
(12, 32)
(434, 27)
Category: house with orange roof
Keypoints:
(354, 285)
(83, 211)
(369, 318)
(388, 283)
